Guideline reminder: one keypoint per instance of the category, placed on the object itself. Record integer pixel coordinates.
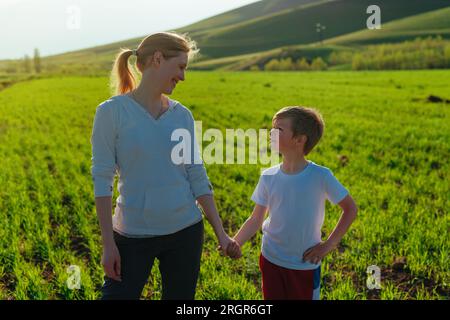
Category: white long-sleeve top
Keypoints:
(156, 195)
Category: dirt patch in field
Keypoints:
(79, 246)
(8, 284)
(432, 99)
(436, 99)
(399, 274)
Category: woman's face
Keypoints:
(169, 71)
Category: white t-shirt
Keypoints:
(296, 205)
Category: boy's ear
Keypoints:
(305, 139)
(302, 138)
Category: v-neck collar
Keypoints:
(172, 104)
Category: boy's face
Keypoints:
(282, 137)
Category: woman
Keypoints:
(156, 214)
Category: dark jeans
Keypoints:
(179, 263)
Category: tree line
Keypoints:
(421, 53)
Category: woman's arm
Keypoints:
(103, 171)
(104, 208)
(203, 192)
(209, 207)
(111, 256)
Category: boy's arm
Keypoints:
(348, 215)
(316, 253)
(251, 225)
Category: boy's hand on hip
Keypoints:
(317, 253)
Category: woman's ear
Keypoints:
(157, 57)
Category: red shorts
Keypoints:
(280, 283)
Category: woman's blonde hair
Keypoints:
(170, 44)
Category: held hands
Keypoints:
(234, 250)
(316, 253)
(229, 247)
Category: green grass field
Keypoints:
(383, 141)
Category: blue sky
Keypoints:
(56, 26)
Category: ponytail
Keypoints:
(122, 77)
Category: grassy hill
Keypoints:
(242, 14)
(276, 28)
(269, 25)
(432, 23)
(298, 25)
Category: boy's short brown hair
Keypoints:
(304, 121)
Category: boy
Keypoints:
(294, 193)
